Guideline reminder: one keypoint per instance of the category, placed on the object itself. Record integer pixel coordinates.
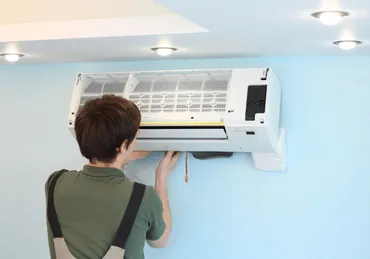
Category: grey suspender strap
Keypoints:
(51, 213)
(127, 221)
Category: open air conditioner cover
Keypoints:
(213, 110)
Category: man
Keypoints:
(89, 205)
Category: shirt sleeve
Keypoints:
(156, 224)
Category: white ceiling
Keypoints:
(199, 28)
(55, 20)
(24, 11)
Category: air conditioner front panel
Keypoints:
(229, 139)
(183, 133)
(199, 145)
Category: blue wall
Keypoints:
(318, 208)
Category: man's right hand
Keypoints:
(166, 164)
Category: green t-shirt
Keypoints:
(90, 205)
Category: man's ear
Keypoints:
(123, 147)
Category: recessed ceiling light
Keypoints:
(347, 44)
(12, 57)
(164, 51)
(330, 17)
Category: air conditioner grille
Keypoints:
(84, 99)
(113, 88)
(188, 85)
(182, 93)
(144, 86)
(164, 86)
(93, 88)
(215, 85)
(194, 91)
(169, 98)
(99, 87)
(144, 108)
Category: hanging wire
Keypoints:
(186, 167)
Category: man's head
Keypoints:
(106, 130)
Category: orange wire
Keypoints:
(186, 168)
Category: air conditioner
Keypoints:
(206, 112)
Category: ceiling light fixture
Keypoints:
(164, 51)
(347, 44)
(12, 57)
(330, 17)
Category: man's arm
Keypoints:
(161, 188)
(48, 228)
(163, 169)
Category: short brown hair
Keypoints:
(103, 124)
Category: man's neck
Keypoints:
(104, 165)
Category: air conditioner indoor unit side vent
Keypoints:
(202, 111)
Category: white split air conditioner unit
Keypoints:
(207, 112)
